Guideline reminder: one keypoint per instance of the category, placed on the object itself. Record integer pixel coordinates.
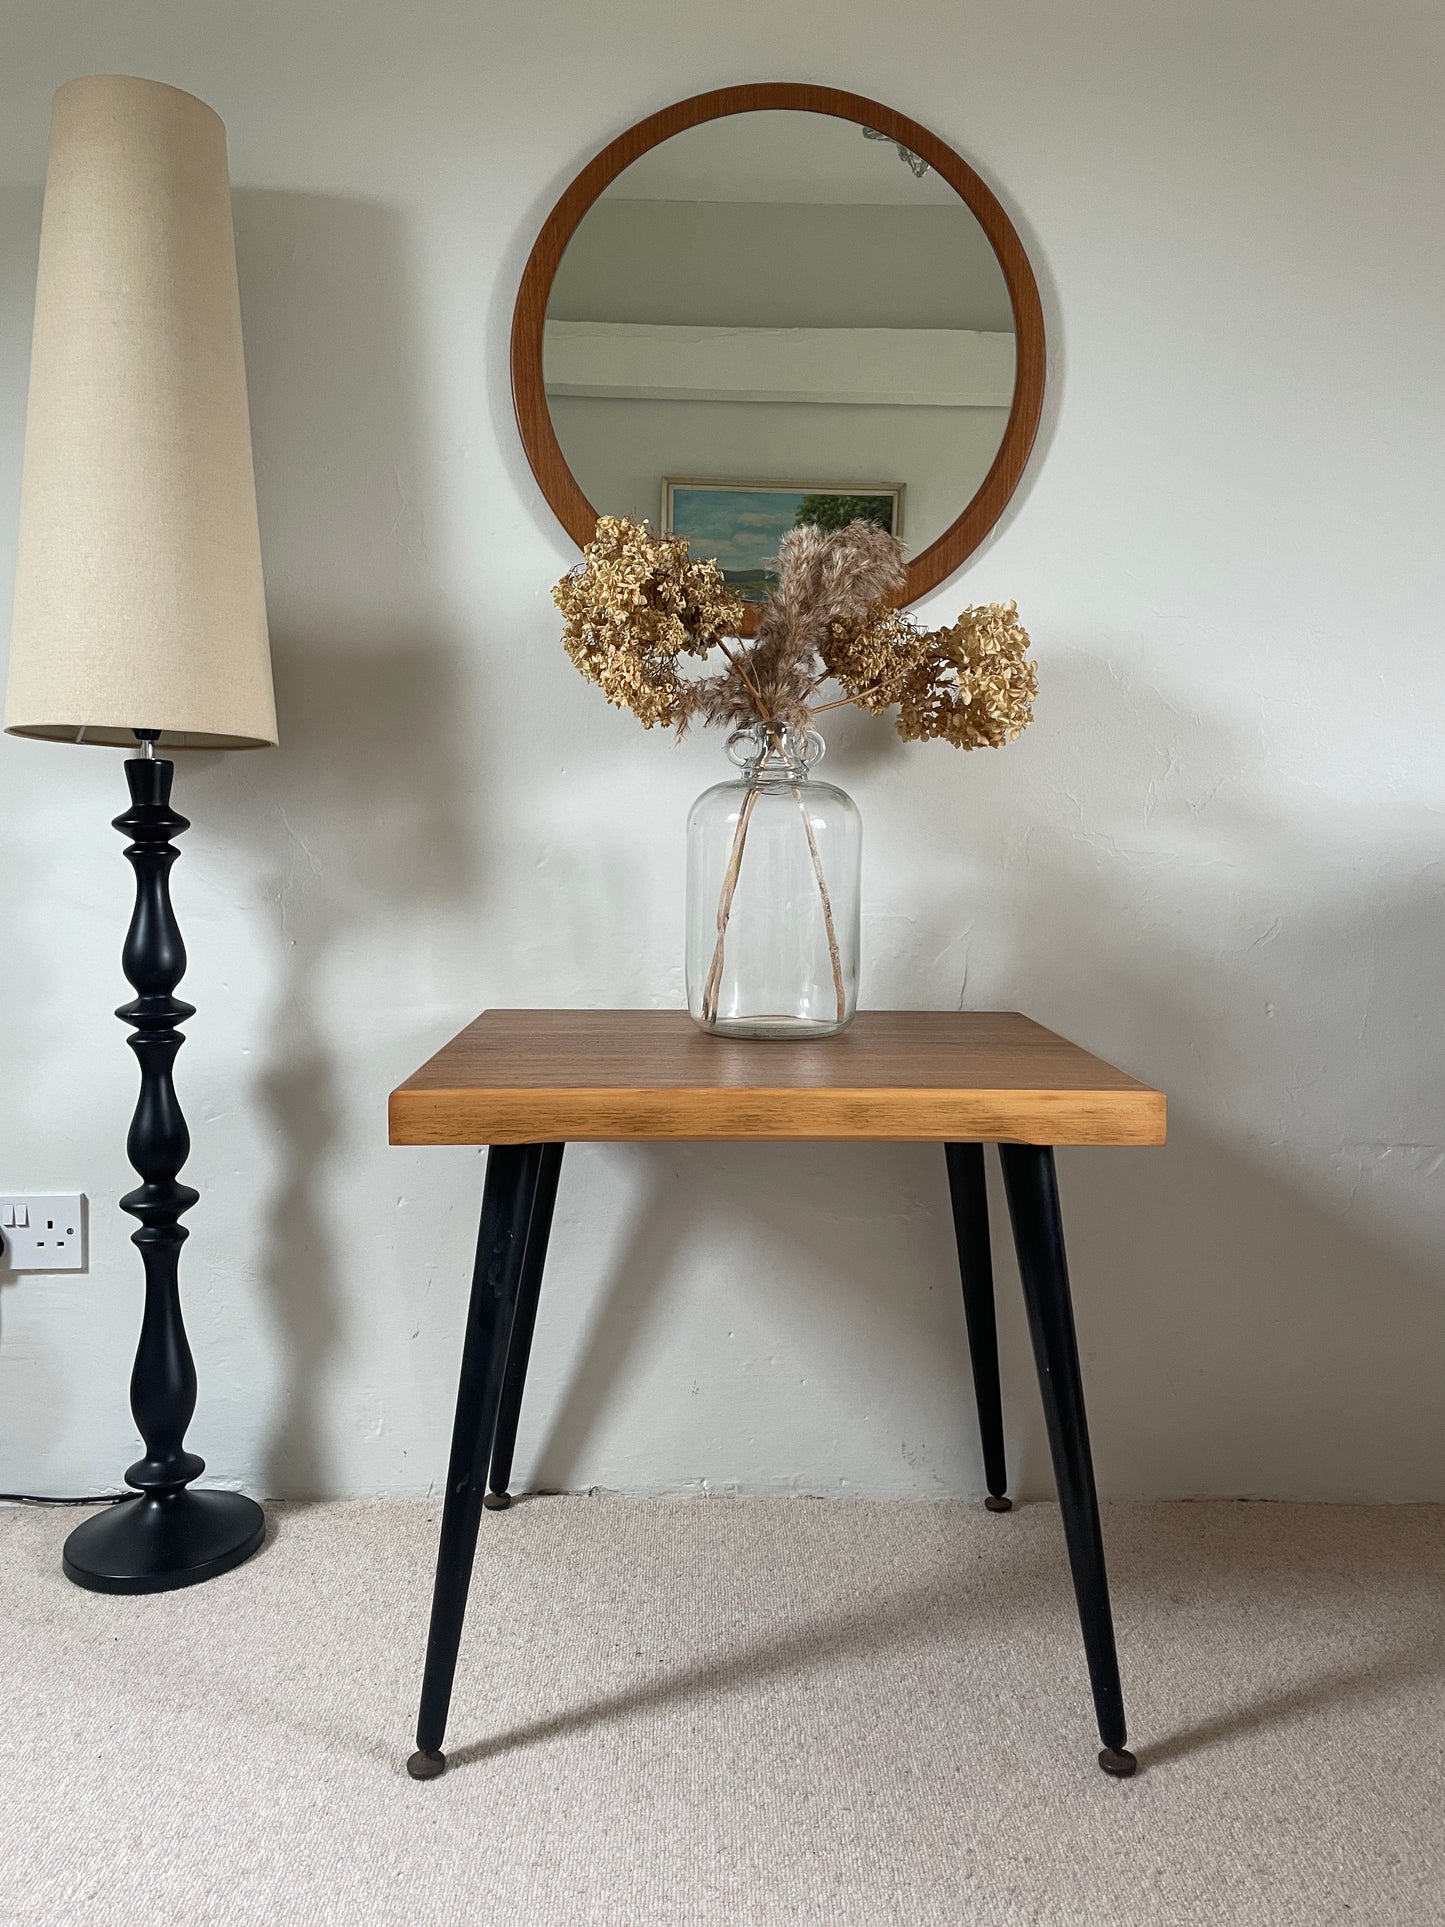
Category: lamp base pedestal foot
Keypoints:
(158, 1542)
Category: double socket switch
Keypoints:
(43, 1233)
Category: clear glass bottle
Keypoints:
(772, 894)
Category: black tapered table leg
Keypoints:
(969, 1192)
(507, 1196)
(520, 1349)
(1033, 1198)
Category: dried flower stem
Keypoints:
(842, 702)
(713, 987)
(828, 925)
(725, 904)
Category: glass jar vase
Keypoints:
(772, 894)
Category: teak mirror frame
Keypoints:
(529, 395)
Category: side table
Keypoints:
(526, 1082)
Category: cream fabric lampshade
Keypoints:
(138, 594)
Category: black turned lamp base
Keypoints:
(155, 1544)
(170, 1536)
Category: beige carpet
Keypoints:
(734, 1712)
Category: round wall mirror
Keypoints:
(780, 304)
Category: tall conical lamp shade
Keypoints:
(140, 619)
(138, 594)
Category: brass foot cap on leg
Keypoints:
(497, 1501)
(996, 1502)
(1118, 1761)
(427, 1765)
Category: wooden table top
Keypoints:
(529, 1076)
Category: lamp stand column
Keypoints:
(169, 1536)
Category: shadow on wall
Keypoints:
(355, 824)
(1260, 1303)
(840, 1256)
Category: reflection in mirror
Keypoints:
(776, 317)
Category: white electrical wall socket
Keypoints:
(42, 1233)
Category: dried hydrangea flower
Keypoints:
(973, 684)
(872, 656)
(634, 605)
(638, 603)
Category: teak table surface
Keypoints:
(530, 1076)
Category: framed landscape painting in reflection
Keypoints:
(742, 523)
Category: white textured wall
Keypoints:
(1216, 858)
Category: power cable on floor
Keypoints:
(37, 1498)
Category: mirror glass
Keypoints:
(778, 317)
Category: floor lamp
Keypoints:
(139, 621)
